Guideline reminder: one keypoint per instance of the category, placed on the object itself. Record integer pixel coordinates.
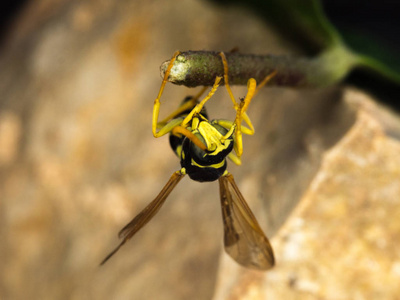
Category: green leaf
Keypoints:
(304, 22)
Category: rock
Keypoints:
(338, 242)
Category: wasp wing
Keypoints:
(244, 239)
(146, 214)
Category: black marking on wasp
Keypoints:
(203, 147)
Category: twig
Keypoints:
(197, 68)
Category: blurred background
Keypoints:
(78, 161)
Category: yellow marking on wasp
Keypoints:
(214, 139)
(214, 166)
(195, 123)
(179, 152)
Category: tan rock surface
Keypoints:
(339, 243)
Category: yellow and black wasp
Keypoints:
(203, 147)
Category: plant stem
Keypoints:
(196, 68)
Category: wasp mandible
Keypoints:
(203, 147)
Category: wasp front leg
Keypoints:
(170, 122)
(197, 109)
(241, 115)
(157, 103)
(231, 126)
(245, 117)
(241, 108)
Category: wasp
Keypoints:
(203, 147)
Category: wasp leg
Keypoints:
(185, 106)
(241, 115)
(234, 158)
(264, 81)
(231, 126)
(174, 127)
(197, 109)
(169, 126)
(228, 88)
(156, 107)
(226, 80)
(163, 126)
(227, 124)
(241, 108)
(241, 111)
(181, 129)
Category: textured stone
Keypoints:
(339, 241)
